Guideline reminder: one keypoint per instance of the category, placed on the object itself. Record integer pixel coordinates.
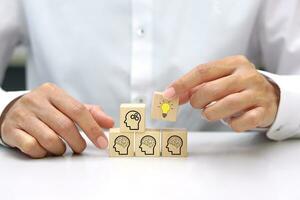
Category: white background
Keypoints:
(219, 166)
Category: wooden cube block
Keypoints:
(174, 142)
(132, 118)
(164, 109)
(148, 143)
(120, 144)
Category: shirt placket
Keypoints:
(141, 52)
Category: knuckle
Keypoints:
(254, 78)
(63, 150)
(29, 145)
(99, 107)
(236, 127)
(236, 79)
(26, 99)
(78, 109)
(194, 102)
(94, 129)
(208, 114)
(95, 109)
(80, 148)
(65, 124)
(204, 88)
(202, 69)
(20, 115)
(209, 90)
(253, 119)
(181, 85)
(5, 128)
(50, 141)
(30, 99)
(38, 155)
(262, 82)
(241, 58)
(48, 86)
(232, 102)
(258, 99)
(257, 78)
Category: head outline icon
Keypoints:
(121, 144)
(147, 144)
(174, 145)
(132, 120)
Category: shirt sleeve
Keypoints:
(11, 33)
(276, 44)
(287, 121)
(6, 98)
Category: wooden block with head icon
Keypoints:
(120, 144)
(148, 143)
(164, 109)
(174, 142)
(132, 118)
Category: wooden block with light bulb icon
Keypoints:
(147, 144)
(164, 109)
(174, 142)
(120, 144)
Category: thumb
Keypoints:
(104, 120)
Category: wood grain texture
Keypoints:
(163, 109)
(148, 143)
(132, 118)
(174, 142)
(120, 144)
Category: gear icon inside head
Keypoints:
(132, 120)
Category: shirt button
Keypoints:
(279, 128)
(140, 32)
(139, 99)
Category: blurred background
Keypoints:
(15, 73)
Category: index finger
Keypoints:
(198, 75)
(81, 116)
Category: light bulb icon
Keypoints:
(165, 108)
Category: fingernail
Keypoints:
(202, 115)
(102, 142)
(210, 104)
(227, 120)
(169, 93)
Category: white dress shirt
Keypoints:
(114, 51)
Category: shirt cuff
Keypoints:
(6, 98)
(287, 121)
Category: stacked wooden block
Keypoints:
(134, 139)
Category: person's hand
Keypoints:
(39, 122)
(230, 89)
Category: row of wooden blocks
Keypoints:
(152, 143)
(133, 136)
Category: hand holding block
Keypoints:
(132, 118)
(174, 142)
(164, 109)
(148, 143)
(120, 144)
